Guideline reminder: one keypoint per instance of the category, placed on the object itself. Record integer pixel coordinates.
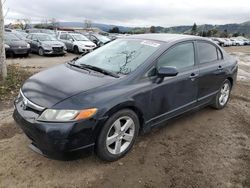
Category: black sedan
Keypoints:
(15, 45)
(45, 44)
(104, 99)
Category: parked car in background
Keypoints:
(228, 42)
(21, 35)
(76, 42)
(238, 42)
(45, 31)
(104, 99)
(99, 40)
(220, 41)
(45, 44)
(15, 45)
(233, 42)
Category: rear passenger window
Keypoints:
(207, 52)
(180, 56)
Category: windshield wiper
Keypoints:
(78, 66)
(98, 69)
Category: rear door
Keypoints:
(175, 95)
(212, 72)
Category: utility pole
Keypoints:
(3, 66)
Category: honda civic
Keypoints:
(104, 99)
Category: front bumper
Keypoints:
(85, 49)
(56, 140)
(54, 52)
(18, 51)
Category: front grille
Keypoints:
(57, 49)
(27, 104)
(90, 46)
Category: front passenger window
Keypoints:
(181, 56)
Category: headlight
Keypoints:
(6, 46)
(66, 115)
(28, 45)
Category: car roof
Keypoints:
(165, 37)
(39, 34)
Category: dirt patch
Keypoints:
(8, 130)
(208, 148)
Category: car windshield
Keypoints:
(121, 56)
(46, 38)
(102, 38)
(11, 37)
(80, 37)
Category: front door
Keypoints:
(175, 95)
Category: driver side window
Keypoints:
(180, 56)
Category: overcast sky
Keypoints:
(132, 12)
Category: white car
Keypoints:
(228, 42)
(76, 42)
(238, 42)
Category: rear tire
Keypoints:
(117, 135)
(222, 97)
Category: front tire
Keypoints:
(41, 51)
(76, 50)
(222, 97)
(117, 135)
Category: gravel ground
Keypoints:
(208, 148)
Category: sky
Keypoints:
(131, 12)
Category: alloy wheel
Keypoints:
(120, 135)
(224, 94)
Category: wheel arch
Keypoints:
(127, 105)
(231, 80)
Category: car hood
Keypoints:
(53, 43)
(16, 43)
(52, 86)
(88, 43)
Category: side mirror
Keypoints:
(71, 40)
(166, 72)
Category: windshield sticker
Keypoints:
(150, 43)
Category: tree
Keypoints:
(114, 30)
(152, 29)
(87, 23)
(194, 29)
(224, 34)
(3, 66)
(236, 34)
(54, 23)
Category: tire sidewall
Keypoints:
(76, 50)
(218, 105)
(101, 148)
(41, 50)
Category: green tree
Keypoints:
(224, 34)
(194, 29)
(152, 29)
(114, 30)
